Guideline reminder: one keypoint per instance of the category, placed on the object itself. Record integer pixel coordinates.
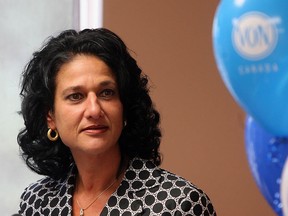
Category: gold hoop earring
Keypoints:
(50, 137)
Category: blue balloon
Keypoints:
(250, 41)
(266, 156)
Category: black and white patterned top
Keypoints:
(145, 190)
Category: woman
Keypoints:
(92, 129)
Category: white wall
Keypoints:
(24, 25)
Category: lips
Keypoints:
(95, 129)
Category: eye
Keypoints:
(75, 97)
(107, 93)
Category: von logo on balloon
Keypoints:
(250, 42)
(254, 37)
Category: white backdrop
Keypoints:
(24, 24)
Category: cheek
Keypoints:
(120, 113)
(117, 115)
(66, 118)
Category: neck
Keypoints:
(95, 174)
(98, 177)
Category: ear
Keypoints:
(51, 120)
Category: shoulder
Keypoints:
(39, 188)
(162, 191)
(187, 197)
(45, 192)
(33, 195)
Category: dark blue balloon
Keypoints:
(266, 155)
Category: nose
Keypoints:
(93, 107)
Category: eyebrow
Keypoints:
(107, 82)
(80, 87)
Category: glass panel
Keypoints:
(25, 24)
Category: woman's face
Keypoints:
(88, 113)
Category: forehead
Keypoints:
(84, 66)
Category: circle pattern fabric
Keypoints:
(145, 190)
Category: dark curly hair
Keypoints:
(139, 138)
